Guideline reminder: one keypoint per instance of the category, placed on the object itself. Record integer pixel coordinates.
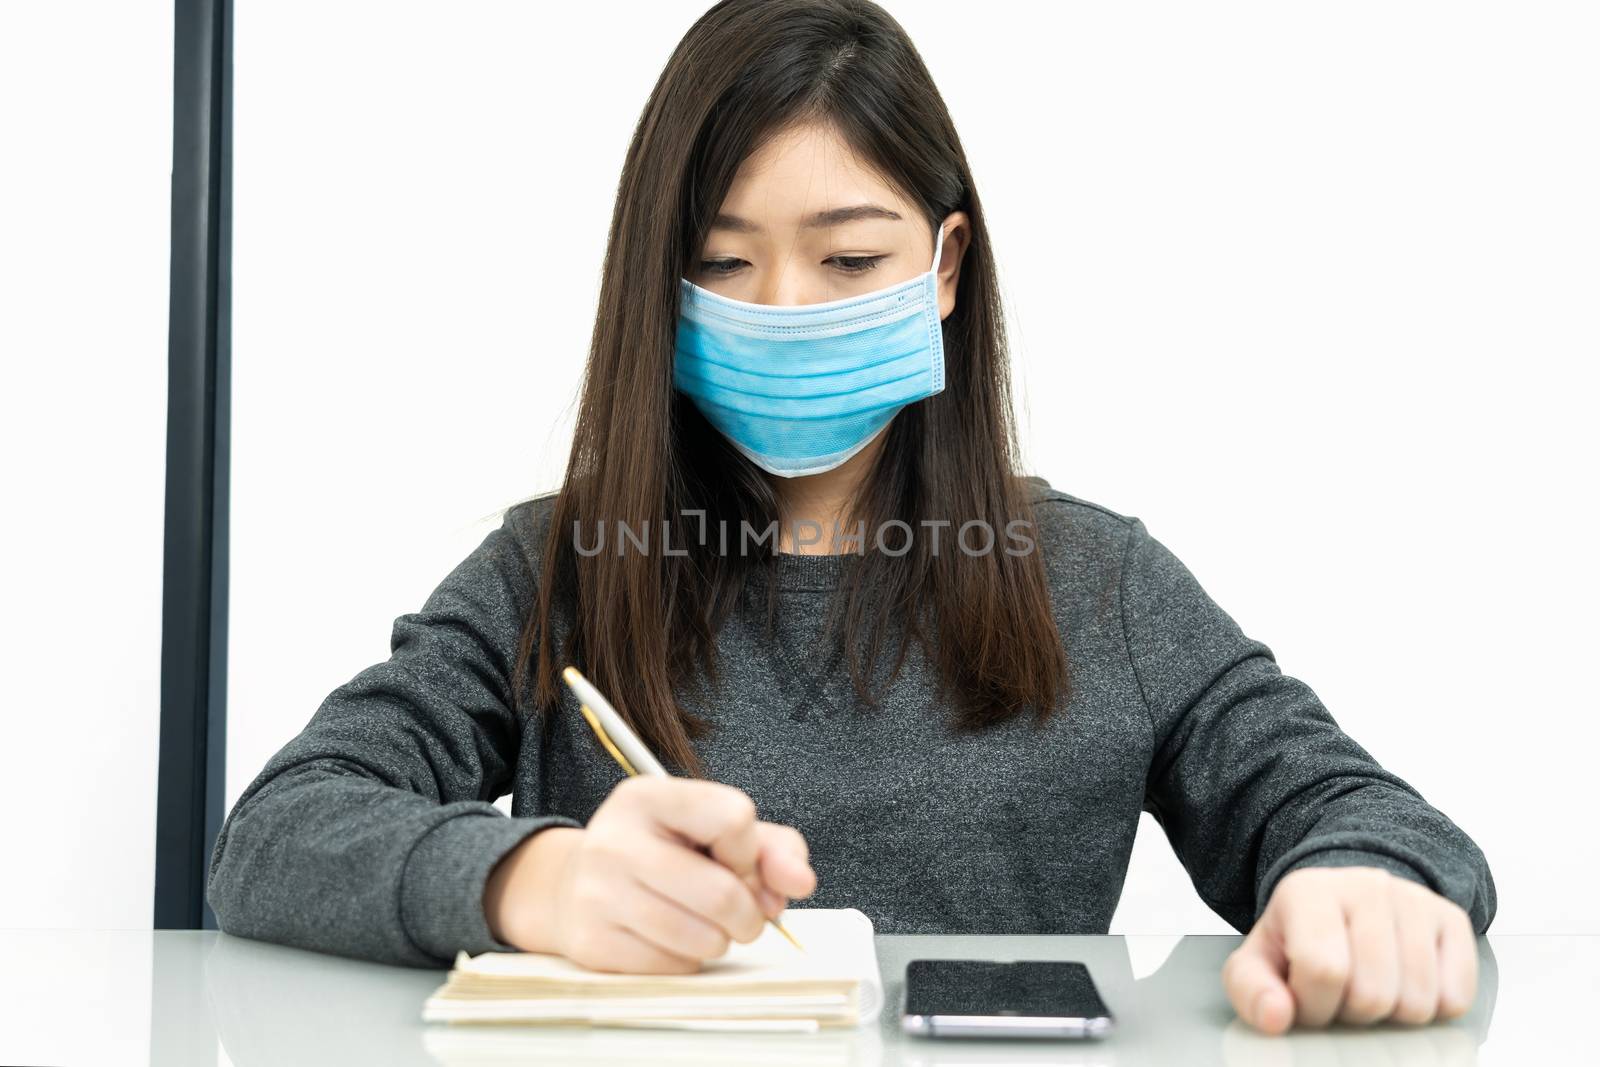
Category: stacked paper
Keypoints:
(765, 985)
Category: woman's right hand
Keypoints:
(635, 890)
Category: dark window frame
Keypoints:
(194, 609)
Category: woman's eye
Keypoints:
(720, 266)
(856, 264)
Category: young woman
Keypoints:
(888, 670)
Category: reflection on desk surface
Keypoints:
(188, 997)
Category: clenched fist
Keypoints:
(1356, 944)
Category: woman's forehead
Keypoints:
(802, 172)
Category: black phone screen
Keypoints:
(985, 987)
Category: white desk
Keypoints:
(187, 998)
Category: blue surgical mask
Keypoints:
(799, 389)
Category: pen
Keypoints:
(623, 744)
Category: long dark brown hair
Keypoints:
(642, 623)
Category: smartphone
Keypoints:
(989, 998)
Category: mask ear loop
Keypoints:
(938, 249)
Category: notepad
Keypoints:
(767, 984)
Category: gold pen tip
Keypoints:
(784, 931)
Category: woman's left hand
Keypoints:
(1356, 944)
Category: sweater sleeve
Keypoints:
(372, 832)
(1251, 777)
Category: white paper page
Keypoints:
(838, 945)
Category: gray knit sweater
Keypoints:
(372, 832)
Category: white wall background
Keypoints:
(1313, 292)
(85, 227)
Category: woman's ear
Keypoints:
(957, 236)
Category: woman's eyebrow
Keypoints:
(829, 217)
